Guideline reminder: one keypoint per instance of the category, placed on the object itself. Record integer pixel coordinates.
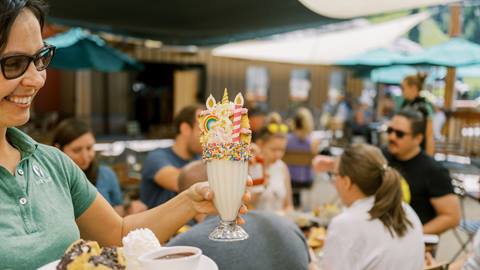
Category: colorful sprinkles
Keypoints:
(225, 129)
(227, 151)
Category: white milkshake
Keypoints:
(227, 179)
(226, 140)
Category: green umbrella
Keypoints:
(77, 49)
(391, 75)
(395, 74)
(372, 59)
(455, 52)
(469, 71)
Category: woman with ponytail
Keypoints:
(411, 87)
(376, 230)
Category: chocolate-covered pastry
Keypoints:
(87, 255)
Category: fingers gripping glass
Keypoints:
(14, 66)
(398, 133)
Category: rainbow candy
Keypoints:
(208, 121)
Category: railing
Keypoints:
(463, 134)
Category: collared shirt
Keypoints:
(39, 204)
(354, 241)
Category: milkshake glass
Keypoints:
(226, 150)
(227, 179)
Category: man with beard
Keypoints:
(431, 190)
(162, 166)
(429, 183)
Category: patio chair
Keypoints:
(469, 227)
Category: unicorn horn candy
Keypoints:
(225, 97)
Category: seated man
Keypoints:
(429, 183)
(162, 166)
(431, 189)
(274, 242)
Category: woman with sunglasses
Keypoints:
(46, 202)
(376, 230)
(272, 142)
(411, 87)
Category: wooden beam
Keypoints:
(449, 96)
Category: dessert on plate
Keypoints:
(88, 255)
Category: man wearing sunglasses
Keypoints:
(431, 190)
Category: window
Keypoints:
(257, 84)
(300, 84)
(337, 81)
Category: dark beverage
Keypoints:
(175, 255)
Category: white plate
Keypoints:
(205, 264)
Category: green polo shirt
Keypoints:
(39, 204)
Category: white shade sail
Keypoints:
(345, 9)
(322, 49)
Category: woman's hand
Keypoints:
(201, 197)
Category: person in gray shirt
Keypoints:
(274, 243)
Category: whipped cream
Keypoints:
(137, 243)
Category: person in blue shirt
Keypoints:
(161, 167)
(75, 138)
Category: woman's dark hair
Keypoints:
(9, 11)
(68, 131)
(367, 169)
(416, 80)
(187, 115)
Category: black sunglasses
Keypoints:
(15, 66)
(398, 133)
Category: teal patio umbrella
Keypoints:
(469, 71)
(371, 59)
(456, 52)
(364, 63)
(391, 75)
(395, 74)
(78, 49)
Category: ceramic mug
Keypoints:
(178, 258)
